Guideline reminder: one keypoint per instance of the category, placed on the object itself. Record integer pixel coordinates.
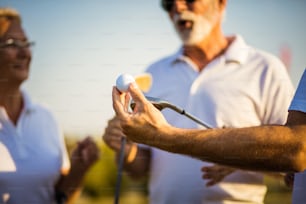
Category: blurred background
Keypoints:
(82, 46)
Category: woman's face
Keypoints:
(15, 55)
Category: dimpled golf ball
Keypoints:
(123, 82)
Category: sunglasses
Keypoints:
(168, 4)
(14, 43)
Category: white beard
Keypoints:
(199, 30)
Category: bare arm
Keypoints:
(83, 157)
(266, 148)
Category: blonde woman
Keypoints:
(34, 164)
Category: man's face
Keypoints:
(15, 54)
(194, 21)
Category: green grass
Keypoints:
(278, 193)
(126, 198)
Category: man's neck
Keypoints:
(208, 49)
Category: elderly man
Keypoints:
(224, 82)
(264, 148)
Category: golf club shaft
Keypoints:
(161, 104)
(120, 170)
(188, 115)
(194, 119)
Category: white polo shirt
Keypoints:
(244, 87)
(32, 155)
(299, 104)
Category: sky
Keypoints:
(83, 46)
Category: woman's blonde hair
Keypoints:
(7, 15)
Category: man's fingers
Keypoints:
(127, 99)
(118, 104)
(211, 183)
(208, 169)
(136, 93)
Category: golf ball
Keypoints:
(123, 82)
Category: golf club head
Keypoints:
(158, 103)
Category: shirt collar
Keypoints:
(237, 52)
(27, 108)
(179, 57)
(3, 114)
(28, 104)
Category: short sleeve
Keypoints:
(65, 157)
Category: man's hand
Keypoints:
(289, 180)
(216, 173)
(140, 125)
(113, 138)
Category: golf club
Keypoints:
(161, 104)
(144, 82)
(120, 170)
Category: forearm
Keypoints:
(268, 148)
(83, 157)
(70, 184)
